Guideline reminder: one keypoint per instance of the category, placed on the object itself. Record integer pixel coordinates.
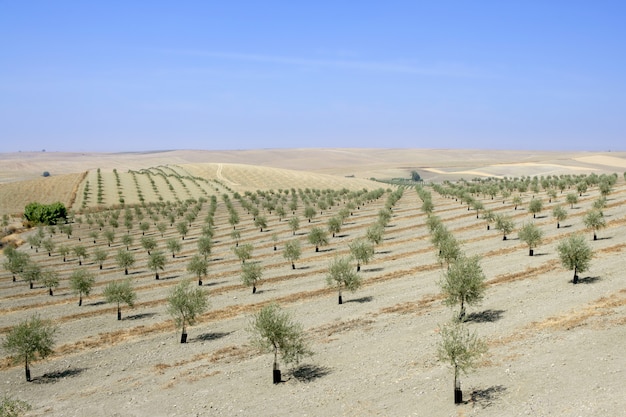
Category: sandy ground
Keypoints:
(554, 348)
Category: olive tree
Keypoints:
(30, 340)
(594, 220)
(341, 275)
(10, 407)
(334, 225)
(31, 273)
(292, 252)
(243, 252)
(531, 235)
(575, 254)
(81, 282)
(318, 237)
(560, 214)
(120, 292)
(199, 267)
(99, 256)
(185, 305)
(81, 253)
(362, 250)
(50, 280)
(463, 283)
(571, 199)
(251, 274)
(124, 260)
(505, 225)
(462, 350)
(273, 330)
(148, 243)
(294, 224)
(156, 261)
(535, 206)
(15, 261)
(174, 246)
(127, 240)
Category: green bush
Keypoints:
(45, 213)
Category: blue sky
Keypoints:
(133, 76)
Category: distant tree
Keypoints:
(560, 214)
(144, 227)
(478, 206)
(38, 213)
(118, 293)
(99, 256)
(156, 261)
(94, 235)
(341, 275)
(462, 350)
(31, 273)
(64, 250)
(292, 252)
(127, 240)
(243, 252)
(361, 250)
(148, 243)
(489, 217)
(535, 206)
(600, 203)
(233, 219)
(334, 225)
(415, 176)
(605, 188)
(251, 274)
(205, 244)
(531, 235)
(124, 259)
(575, 254)
(30, 340)
(174, 246)
(309, 213)
(48, 245)
(294, 224)
(318, 237)
(275, 240)
(571, 199)
(517, 200)
(260, 222)
(81, 282)
(581, 187)
(463, 283)
(375, 233)
(109, 235)
(183, 229)
(199, 267)
(15, 261)
(594, 220)
(505, 225)
(185, 305)
(81, 253)
(274, 331)
(50, 280)
(551, 195)
(161, 227)
(235, 235)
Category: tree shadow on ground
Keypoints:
(588, 280)
(383, 252)
(486, 397)
(212, 283)
(140, 316)
(308, 373)
(161, 278)
(604, 238)
(326, 250)
(486, 316)
(262, 291)
(303, 267)
(96, 303)
(343, 235)
(207, 337)
(360, 300)
(372, 269)
(51, 377)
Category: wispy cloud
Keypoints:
(439, 70)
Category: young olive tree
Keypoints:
(174, 246)
(124, 260)
(50, 280)
(81, 282)
(535, 206)
(531, 235)
(594, 220)
(30, 340)
(118, 293)
(462, 350)
(560, 214)
(251, 275)
(463, 283)
(504, 224)
(185, 305)
(99, 256)
(341, 275)
(81, 253)
(317, 237)
(292, 252)
(273, 330)
(294, 224)
(15, 261)
(199, 267)
(156, 261)
(362, 250)
(575, 254)
(243, 252)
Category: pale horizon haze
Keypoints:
(141, 76)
